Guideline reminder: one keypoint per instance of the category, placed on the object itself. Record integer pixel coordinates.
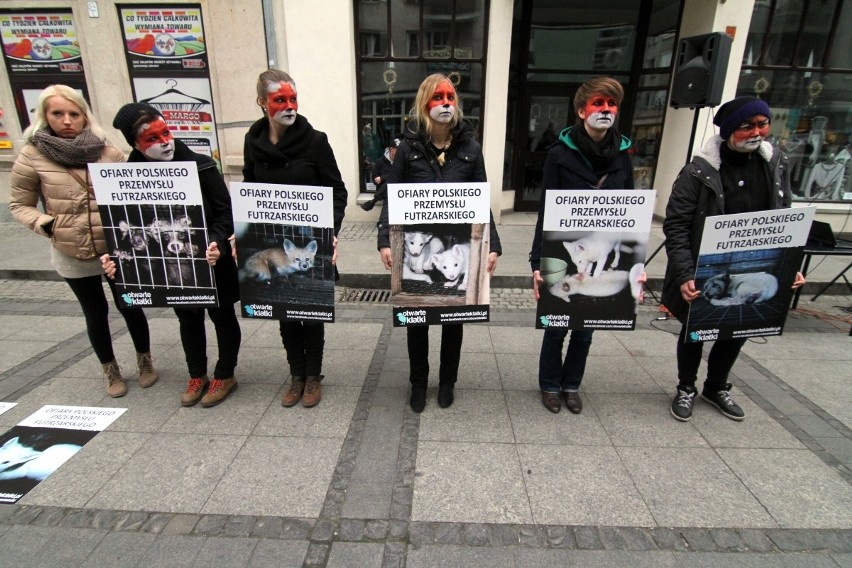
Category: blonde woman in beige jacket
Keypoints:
(51, 169)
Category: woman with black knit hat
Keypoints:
(283, 148)
(52, 168)
(735, 172)
(147, 132)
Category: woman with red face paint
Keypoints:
(146, 131)
(438, 146)
(589, 155)
(283, 148)
(735, 172)
(52, 168)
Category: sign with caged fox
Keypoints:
(285, 243)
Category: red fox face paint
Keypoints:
(600, 112)
(748, 135)
(156, 142)
(442, 105)
(282, 103)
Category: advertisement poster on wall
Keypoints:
(166, 55)
(40, 48)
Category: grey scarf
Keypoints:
(76, 153)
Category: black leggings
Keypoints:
(721, 359)
(304, 342)
(418, 354)
(90, 294)
(193, 337)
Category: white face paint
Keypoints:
(442, 106)
(599, 112)
(748, 135)
(443, 114)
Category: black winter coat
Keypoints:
(217, 216)
(567, 168)
(381, 169)
(416, 162)
(302, 156)
(697, 193)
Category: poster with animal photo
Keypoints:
(38, 446)
(593, 251)
(747, 264)
(285, 243)
(153, 218)
(440, 240)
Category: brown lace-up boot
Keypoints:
(115, 386)
(293, 394)
(147, 374)
(313, 392)
(194, 390)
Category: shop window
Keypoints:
(807, 84)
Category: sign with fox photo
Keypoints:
(285, 244)
(593, 251)
(38, 446)
(440, 241)
(746, 267)
(154, 224)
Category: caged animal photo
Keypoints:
(739, 289)
(285, 264)
(159, 245)
(436, 259)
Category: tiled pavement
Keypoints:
(494, 481)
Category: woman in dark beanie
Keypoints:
(438, 146)
(147, 132)
(735, 172)
(52, 168)
(283, 148)
(590, 155)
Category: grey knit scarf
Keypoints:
(71, 153)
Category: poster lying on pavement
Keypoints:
(440, 240)
(285, 243)
(747, 264)
(156, 233)
(38, 446)
(593, 252)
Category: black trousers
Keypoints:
(418, 354)
(90, 293)
(304, 342)
(720, 361)
(193, 337)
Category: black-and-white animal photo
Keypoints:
(737, 289)
(436, 259)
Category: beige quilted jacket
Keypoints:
(77, 229)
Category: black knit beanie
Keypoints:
(127, 116)
(733, 113)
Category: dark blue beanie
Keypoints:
(733, 113)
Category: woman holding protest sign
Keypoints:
(146, 131)
(438, 146)
(52, 168)
(283, 148)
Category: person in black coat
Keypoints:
(590, 155)
(145, 129)
(283, 148)
(438, 146)
(735, 172)
(381, 172)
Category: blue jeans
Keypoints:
(554, 375)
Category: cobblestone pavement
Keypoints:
(493, 481)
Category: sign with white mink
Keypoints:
(593, 251)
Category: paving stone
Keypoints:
(323, 531)
(376, 530)
(560, 537)
(637, 538)
(449, 533)
(351, 530)
(756, 540)
(156, 522)
(181, 524)
(210, 525)
(317, 554)
(104, 519)
(421, 533)
(699, 540)
(728, 539)
(795, 540)
(588, 538)
(532, 536)
(25, 515)
(221, 552)
(49, 517)
(839, 541)
(669, 539)
(82, 518)
(504, 535)
(296, 529)
(239, 526)
(476, 534)
(132, 521)
(348, 554)
(394, 555)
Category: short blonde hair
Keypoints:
(71, 95)
(420, 112)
